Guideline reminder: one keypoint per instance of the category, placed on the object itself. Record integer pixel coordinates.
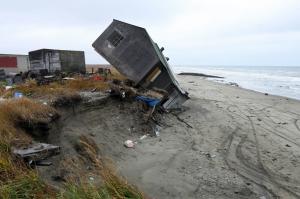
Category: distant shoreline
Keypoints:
(199, 75)
(279, 81)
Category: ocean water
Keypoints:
(276, 80)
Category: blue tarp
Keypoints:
(18, 95)
(149, 101)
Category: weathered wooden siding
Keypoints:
(61, 60)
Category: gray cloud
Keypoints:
(256, 32)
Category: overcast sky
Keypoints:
(193, 32)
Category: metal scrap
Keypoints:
(36, 152)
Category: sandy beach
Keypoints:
(229, 143)
(150, 99)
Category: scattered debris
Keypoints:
(152, 102)
(144, 136)
(129, 144)
(93, 97)
(18, 95)
(68, 78)
(208, 155)
(91, 178)
(45, 80)
(156, 130)
(36, 152)
(151, 98)
(43, 163)
(124, 90)
(8, 87)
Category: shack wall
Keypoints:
(23, 63)
(14, 63)
(44, 59)
(36, 59)
(61, 60)
(128, 48)
(72, 61)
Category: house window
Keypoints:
(115, 38)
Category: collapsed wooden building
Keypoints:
(133, 53)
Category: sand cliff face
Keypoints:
(229, 143)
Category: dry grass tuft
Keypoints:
(31, 89)
(111, 186)
(66, 98)
(26, 185)
(116, 74)
(25, 110)
(116, 186)
(17, 112)
(86, 84)
(16, 180)
(21, 111)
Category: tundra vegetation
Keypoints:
(18, 116)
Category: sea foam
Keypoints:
(276, 80)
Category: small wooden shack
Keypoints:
(134, 54)
(57, 60)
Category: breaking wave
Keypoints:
(276, 80)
